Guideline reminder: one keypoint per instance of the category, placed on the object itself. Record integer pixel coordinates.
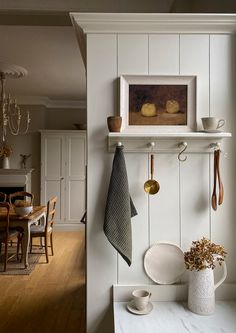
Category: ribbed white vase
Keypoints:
(6, 162)
(201, 290)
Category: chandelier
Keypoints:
(11, 119)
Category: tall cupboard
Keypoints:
(63, 173)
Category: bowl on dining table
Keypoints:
(23, 211)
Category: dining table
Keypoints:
(38, 213)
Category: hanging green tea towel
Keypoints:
(119, 209)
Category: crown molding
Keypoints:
(51, 103)
(155, 23)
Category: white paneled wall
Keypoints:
(164, 206)
(194, 60)
(164, 54)
(102, 101)
(181, 211)
(222, 105)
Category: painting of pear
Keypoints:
(172, 106)
(148, 110)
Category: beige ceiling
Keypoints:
(38, 36)
(52, 57)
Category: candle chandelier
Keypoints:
(12, 119)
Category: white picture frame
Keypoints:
(132, 87)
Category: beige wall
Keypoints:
(41, 118)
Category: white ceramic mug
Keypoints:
(212, 123)
(141, 298)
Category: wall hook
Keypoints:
(215, 145)
(183, 146)
(151, 145)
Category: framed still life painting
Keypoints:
(158, 104)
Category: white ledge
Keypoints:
(154, 23)
(197, 142)
(15, 171)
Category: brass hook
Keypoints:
(183, 146)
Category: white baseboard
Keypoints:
(174, 292)
(69, 226)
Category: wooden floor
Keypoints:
(52, 297)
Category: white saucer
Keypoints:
(212, 131)
(131, 307)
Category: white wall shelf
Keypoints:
(197, 142)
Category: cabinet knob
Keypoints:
(62, 178)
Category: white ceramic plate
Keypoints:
(131, 307)
(164, 263)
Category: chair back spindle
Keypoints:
(51, 210)
(20, 195)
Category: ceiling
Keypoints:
(41, 39)
(52, 57)
(39, 36)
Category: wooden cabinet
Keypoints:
(63, 173)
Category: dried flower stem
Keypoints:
(203, 254)
(5, 150)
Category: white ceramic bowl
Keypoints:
(23, 211)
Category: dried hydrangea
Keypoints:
(204, 254)
(5, 150)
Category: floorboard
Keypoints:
(52, 297)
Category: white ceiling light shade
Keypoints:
(12, 71)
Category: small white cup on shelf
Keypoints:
(141, 298)
(212, 123)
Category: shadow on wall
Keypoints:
(106, 324)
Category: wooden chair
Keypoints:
(7, 234)
(3, 197)
(22, 195)
(43, 231)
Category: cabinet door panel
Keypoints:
(76, 200)
(53, 157)
(63, 173)
(52, 171)
(76, 158)
(75, 177)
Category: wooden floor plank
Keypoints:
(52, 297)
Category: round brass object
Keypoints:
(151, 186)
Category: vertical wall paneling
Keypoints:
(194, 173)
(194, 60)
(137, 174)
(132, 54)
(164, 54)
(222, 105)
(164, 206)
(194, 206)
(133, 59)
(101, 102)
(180, 212)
